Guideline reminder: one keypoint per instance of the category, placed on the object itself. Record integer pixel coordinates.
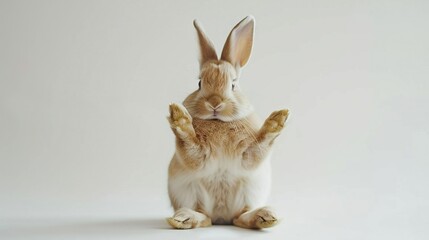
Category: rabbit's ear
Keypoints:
(207, 51)
(238, 45)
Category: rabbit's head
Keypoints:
(219, 95)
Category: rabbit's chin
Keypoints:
(220, 118)
(225, 117)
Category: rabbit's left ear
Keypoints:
(239, 43)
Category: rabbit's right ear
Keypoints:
(207, 51)
(238, 45)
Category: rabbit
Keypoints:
(220, 172)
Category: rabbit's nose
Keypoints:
(215, 102)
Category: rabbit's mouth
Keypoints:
(215, 113)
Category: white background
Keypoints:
(85, 88)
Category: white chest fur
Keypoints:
(222, 188)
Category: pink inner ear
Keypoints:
(239, 43)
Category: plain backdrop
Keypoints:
(84, 94)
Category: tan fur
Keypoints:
(220, 144)
(217, 139)
(216, 77)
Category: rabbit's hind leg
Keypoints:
(257, 219)
(185, 218)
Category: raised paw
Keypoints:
(275, 122)
(180, 120)
(265, 218)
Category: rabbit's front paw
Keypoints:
(275, 122)
(180, 120)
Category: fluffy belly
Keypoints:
(223, 197)
(222, 193)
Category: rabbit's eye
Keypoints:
(233, 87)
(199, 84)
